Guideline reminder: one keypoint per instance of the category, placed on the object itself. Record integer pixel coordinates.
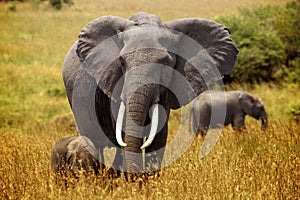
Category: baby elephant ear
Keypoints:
(205, 52)
(246, 101)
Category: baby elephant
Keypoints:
(236, 104)
(75, 153)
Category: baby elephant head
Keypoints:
(73, 154)
(254, 107)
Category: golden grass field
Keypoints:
(34, 114)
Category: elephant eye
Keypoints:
(122, 62)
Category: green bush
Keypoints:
(268, 39)
(294, 110)
(294, 72)
(59, 3)
(288, 26)
(54, 3)
(12, 7)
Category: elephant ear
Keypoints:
(205, 53)
(246, 101)
(98, 48)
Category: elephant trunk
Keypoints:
(137, 108)
(264, 119)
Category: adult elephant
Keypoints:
(236, 104)
(121, 69)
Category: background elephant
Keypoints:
(75, 153)
(121, 69)
(238, 104)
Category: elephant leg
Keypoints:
(197, 127)
(101, 159)
(195, 123)
(238, 122)
(116, 168)
(202, 130)
(204, 122)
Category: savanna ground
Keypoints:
(34, 114)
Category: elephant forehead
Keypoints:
(146, 18)
(147, 37)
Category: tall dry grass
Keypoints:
(34, 114)
(246, 165)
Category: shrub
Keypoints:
(12, 7)
(268, 39)
(288, 26)
(58, 3)
(294, 110)
(54, 3)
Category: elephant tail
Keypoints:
(191, 128)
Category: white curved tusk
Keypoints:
(120, 124)
(154, 127)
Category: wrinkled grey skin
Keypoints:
(74, 153)
(86, 54)
(238, 105)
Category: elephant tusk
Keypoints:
(153, 127)
(120, 124)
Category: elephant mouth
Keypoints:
(153, 130)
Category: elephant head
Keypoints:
(254, 107)
(143, 64)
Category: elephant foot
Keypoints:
(113, 173)
(152, 162)
(134, 177)
(203, 134)
(152, 175)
